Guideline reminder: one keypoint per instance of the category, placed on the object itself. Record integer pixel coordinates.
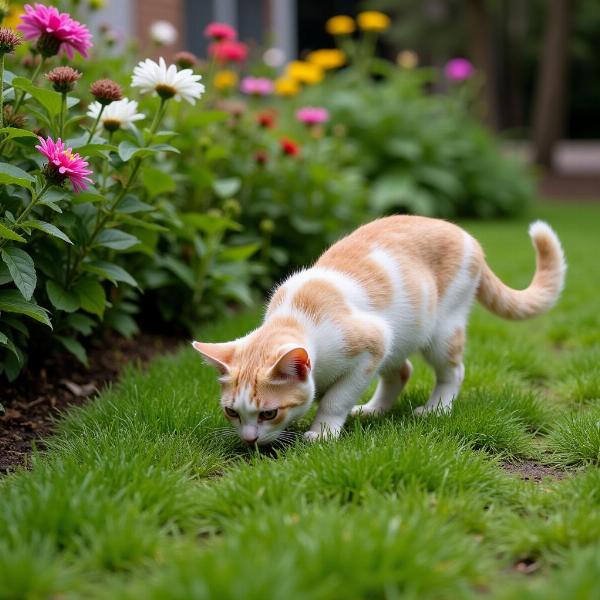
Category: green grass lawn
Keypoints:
(141, 496)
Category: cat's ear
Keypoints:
(292, 365)
(217, 355)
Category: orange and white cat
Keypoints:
(393, 287)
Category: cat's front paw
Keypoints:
(312, 436)
(364, 410)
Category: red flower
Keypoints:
(266, 119)
(220, 31)
(228, 51)
(289, 147)
(261, 157)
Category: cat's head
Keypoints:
(262, 390)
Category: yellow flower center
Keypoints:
(68, 154)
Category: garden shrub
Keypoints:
(182, 210)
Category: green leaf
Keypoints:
(5, 275)
(74, 347)
(206, 117)
(226, 188)
(12, 301)
(110, 271)
(209, 223)
(116, 239)
(157, 181)
(3, 339)
(180, 269)
(235, 253)
(49, 229)
(49, 99)
(103, 150)
(8, 234)
(126, 150)
(122, 323)
(61, 298)
(22, 269)
(8, 133)
(12, 174)
(132, 205)
(81, 323)
(91, 296)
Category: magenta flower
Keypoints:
(54, 31)
(63, 164)
(312, 115)
(459, 69)
(220, 32)
(257, 86)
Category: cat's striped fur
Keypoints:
(395, 286)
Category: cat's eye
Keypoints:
(268, 415)
(231, 413)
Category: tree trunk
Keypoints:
(551, 87)
(482, 54)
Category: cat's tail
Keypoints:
(544, 289)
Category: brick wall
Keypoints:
(148, 11)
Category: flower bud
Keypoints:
(63, 79)
(9, 40)
(232, 207)
(267, 226)
(106, 91)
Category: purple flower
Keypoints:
(459, 69)
(256, 86)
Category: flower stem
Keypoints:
(63, 110)
(1, 91)
(35, 198)
(19, 100)
(130, 180)
(95, 125)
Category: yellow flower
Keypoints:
(407, 59)
(340, 25)
(327, 58)
(304, 72)
(225, 80)
(13, 16)
(371, 20)
(286, 86)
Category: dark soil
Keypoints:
(32, 403)
(529, 470)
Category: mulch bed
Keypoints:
(33, 402)
(570, 188)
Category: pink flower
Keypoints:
(256, 86)
(228, 51)
(54, 31)
(63, 164)
(459, 69)
(312, 115)
(220, 32)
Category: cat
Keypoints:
(395, 286)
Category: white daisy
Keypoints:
(163, 33)
(167, 82)
(116, 115)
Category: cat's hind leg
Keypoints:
(445, 355)
(391, 383)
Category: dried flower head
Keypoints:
(12, 119)
(106, 91)
(186, 60)
(9, 40)
(63, 79)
